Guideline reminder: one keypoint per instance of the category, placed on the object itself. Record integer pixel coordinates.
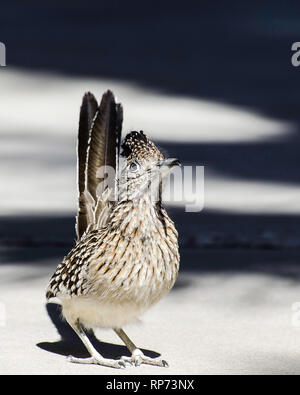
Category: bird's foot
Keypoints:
(137, 358)
(99, 360)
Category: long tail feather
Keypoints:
(99, 148)
(104, 145)
(87, 112)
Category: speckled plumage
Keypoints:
(132, 262)
(120, 268)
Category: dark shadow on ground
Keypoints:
(265, 161)
(50, 234)
(70, 344)
(209, 242)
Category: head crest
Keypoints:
(137, 144)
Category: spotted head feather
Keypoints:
(137, 145)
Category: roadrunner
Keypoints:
(126, 255)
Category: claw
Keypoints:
(122, 364)
(138, 358)
(165, 363)
(127, 359)
(137, 362)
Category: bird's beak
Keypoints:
(167, 165)
(171, 162)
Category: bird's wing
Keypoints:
(87, 112)
(102, 157)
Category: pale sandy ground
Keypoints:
(223, 322)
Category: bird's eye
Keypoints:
(134, 166)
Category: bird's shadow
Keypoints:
(70, 344)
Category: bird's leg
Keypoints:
(95, 358)
(137, 356)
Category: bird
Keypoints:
(126, 255)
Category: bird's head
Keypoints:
(144, 168)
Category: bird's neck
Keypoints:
(142, 215)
